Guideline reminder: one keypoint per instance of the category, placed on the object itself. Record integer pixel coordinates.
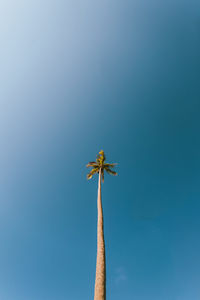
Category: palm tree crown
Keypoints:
(100, 165)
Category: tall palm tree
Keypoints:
(98, 167)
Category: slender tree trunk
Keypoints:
(100, 282)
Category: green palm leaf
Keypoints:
(89, 176)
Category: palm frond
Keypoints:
(101, 158)
(89, 176)
(102, 154)
(102, 175)
(110, 165)
(92, 172)
(91, 164)
(111, 172)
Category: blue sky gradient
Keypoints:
(81, 76)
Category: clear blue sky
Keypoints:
(80, 76)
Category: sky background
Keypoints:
(81, 76)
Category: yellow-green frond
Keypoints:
(92, 172)
(89, 176)
(102, 154)
(101, 158)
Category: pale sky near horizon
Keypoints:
(81, 76)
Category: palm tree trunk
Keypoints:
(100, 282)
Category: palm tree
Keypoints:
(98, 167)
